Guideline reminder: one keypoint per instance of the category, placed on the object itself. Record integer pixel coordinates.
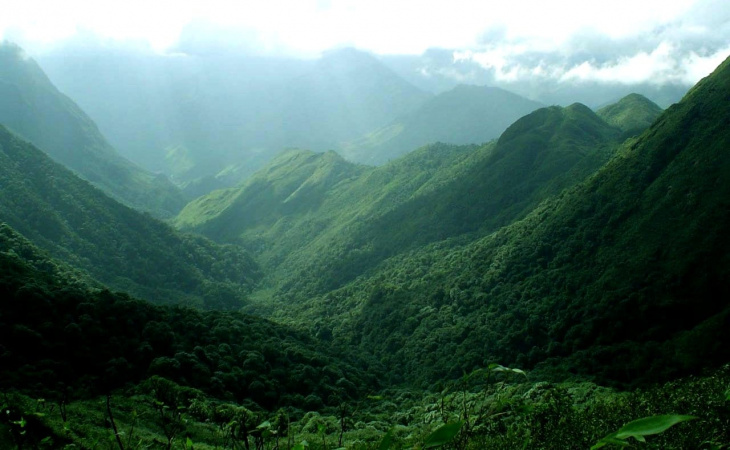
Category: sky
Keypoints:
(636, 40)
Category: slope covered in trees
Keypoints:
(35, 109)
(463, 115)
(61, 336)
(620, 279)
(310, 214)
(633, 114)
(560, 249)
(123, 248)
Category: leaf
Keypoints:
(500, 368)
(265, 424)
(301, 446)
(189, 443)
(640, 428)
(650, 425)
(387, 441)
(610, 439)
(443, 435)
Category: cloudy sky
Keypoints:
(635, 40)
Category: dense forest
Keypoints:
(561, 284)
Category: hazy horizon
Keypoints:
(655, 42)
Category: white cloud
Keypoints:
(383, 26)
(654, 40)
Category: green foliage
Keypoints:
(316, 222)
(632, 114)
(58, 334)
(443, 435)
(120, 247)
(640, 428)
(35, 109)
(618, 279)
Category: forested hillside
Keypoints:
(561, 286)
(32, 107)
(121, 247)
(619, 279)
(312, 240)
(633, 114)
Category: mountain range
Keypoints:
(489, 291)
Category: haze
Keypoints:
(625, 41)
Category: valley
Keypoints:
(366, 266)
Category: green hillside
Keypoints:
(620, 279)
(121, 247)
(32, 107)
(84, 367)
(542, 290)
(463, 115)
(62, 337)
(633, 114)
(311, 214)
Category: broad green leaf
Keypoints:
(443, 435)
(189, 443)
(387, 441)
(265, 424)
(640, 428)
(301, 446)
(650, 425)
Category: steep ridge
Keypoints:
(35, 109)
(621, 279)
(295, 183)
(370, 214)
(633, 114)
(121, 247)
(463, 115)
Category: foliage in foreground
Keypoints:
(471, 413)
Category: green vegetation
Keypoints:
(61, 336)
(36, 110)
(124, 249)
(633, 114)
(618, 279)
(307, 214)
(561, 287)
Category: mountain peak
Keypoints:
(632, 114)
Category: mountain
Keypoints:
(67, 340)
(35, 109)
(463, 115)
(620, 279)
(633, 114)
(213, 119)
(119, 246)
(308, 214)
